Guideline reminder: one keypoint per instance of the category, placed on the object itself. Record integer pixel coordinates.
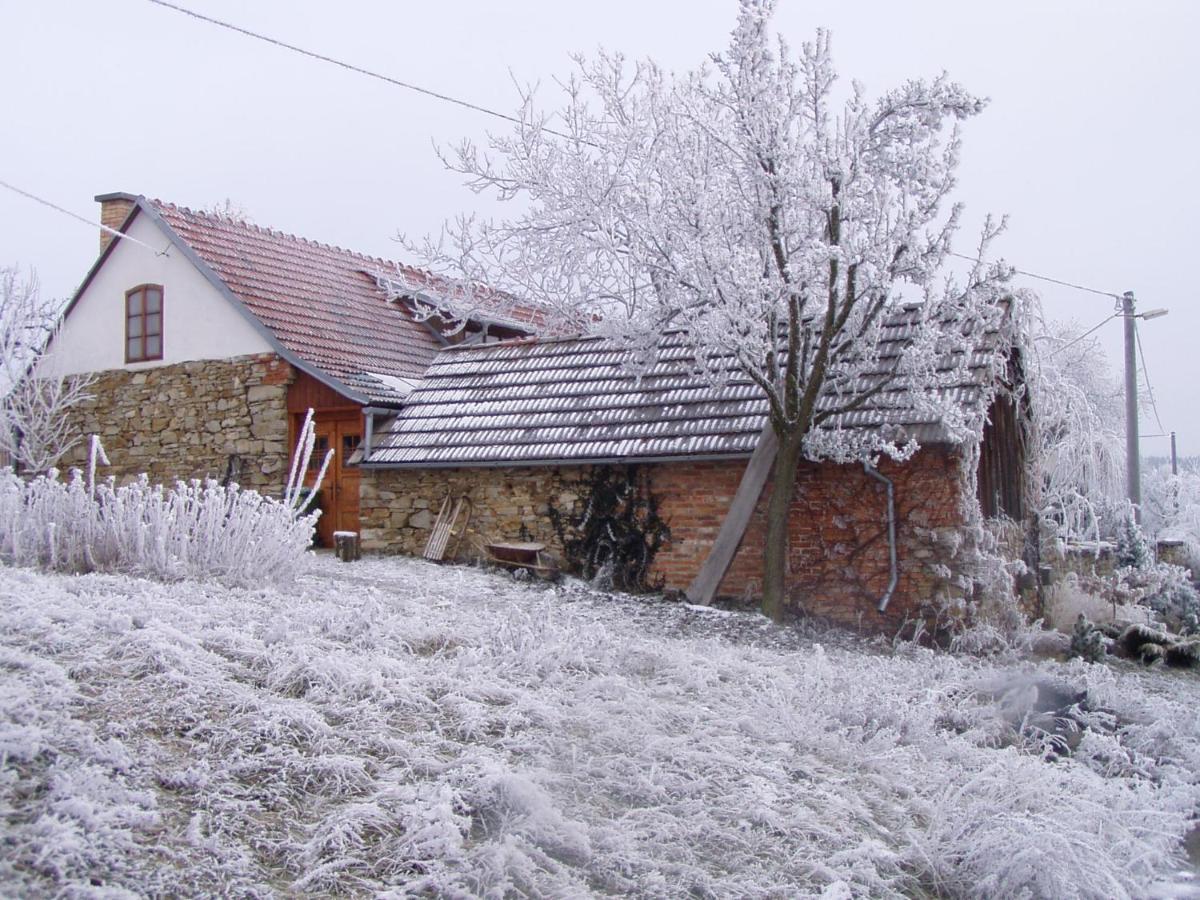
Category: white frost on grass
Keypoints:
(394, 726)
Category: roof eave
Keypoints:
(557, 461)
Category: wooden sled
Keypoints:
(447, 526)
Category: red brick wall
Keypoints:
(838, 561)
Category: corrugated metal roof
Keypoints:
(581, 400)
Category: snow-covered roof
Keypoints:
(583, 400)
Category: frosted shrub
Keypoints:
(1165, 588)
(1090, 597)
(192, 530)
(1175, 597)
(1087, 642)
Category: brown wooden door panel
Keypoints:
(349, 437)
(339, 489)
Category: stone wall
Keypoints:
(189, 420)
(1177, 553)
(397, 507)
(838, 536)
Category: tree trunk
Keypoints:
(783, 483)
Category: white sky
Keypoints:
(1090, 143)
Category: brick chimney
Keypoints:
(114, 210)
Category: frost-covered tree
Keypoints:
(35, 430)
(1079, 416)
(1171, 504)
(744, 205)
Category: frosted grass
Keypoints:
(397, 728)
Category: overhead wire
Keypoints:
(351, 67)
(1146, 374)
(438, 95)
(1076, 340)
(1058, 281)
(86, 221)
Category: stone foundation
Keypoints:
(192, 420)
(838, 536)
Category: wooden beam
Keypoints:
(704, 586)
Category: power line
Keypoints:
(350, 67)
(1146, 374)
(1074, 341)
(66, 212)
(1058, 281)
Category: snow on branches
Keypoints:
(35, 430)
(1079, 443)
(740, 204)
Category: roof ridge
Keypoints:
(520, 342)
(285, 235)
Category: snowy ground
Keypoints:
(392, 726)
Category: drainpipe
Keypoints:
(369, 433)
(893, 568)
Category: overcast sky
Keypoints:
(1090, 143)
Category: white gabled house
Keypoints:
(210, 338)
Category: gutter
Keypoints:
(893, 567)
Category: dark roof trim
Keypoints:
(142, 205)
(539, 463)
(590, 461)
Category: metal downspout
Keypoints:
(893, 567)
(368, 436)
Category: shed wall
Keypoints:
(838, 535)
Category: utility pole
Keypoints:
(1174, 471)
(1133, 468)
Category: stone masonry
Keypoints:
(838, 536)
(193, 420)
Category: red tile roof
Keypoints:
(318, 301)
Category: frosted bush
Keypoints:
(192, 530)
(1071, 597)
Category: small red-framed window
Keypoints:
(144, 323)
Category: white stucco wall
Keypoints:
(198, 323)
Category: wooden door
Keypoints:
(339, 490)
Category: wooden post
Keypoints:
(346, 546)
(704, 586)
